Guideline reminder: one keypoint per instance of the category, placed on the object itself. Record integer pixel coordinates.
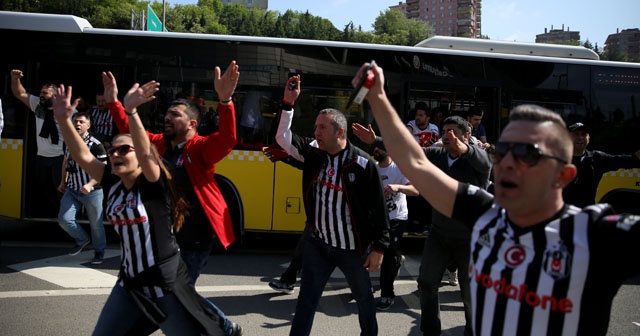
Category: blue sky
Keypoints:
(511, 20)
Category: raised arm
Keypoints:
(63, 109)
(405, 151)
(16, 87)
(284, 136)
(137, 96)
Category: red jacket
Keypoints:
(200, 155)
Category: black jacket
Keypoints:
(362, 183)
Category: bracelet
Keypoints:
(227, 101)
(130, 114)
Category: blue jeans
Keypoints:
(318, 262)
(71, 202)
(196, 260)
(439, 253)
(120, 313)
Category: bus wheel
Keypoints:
(234, 203)
(623, 200)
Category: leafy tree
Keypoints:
(391, 27)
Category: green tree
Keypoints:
(391, 27)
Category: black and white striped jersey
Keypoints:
(333, 217)
(102, 124)
(143, 220)
(76, 176)
(558, 277)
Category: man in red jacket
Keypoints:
(192, 159)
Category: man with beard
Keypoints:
(191, 159)
(591, 165)
(102, 125)
(49, 156)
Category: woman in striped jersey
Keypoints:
(153, 282)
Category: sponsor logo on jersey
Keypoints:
(521, 293)
(328, 184)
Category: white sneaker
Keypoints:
(453, 278)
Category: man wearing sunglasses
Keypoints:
(591, 165)
(538, 266)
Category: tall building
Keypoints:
(626, 42)
(558, 36)
(448, 17)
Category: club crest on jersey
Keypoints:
(132, 201)
(331, 172)
(352, 177)
(179, 162)
(557, 261)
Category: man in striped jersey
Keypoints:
(103, 127)
(80, 190)
(538, 266)
(346, 212)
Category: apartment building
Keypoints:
(626, 42)
(558, 36)
(448, 17)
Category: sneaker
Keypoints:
(453, 278)
(384, 303)
(401, 261)
(98, 258)
(78, 248)
(236, 329)
(281, 287)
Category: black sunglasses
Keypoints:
(524, 152)
(121, 150)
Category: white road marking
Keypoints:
(68, 272)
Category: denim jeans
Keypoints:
(120, 313)
(196, 260)
(439, 253)
(391, 262)
(318, 262)
(290, 275)
(70, 204)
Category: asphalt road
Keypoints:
(43, 291)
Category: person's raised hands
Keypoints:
(139, 95)
(110, 87)
(225, 84)
(378, 79)
(365, 134)
(292, 90)
(62, 106)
